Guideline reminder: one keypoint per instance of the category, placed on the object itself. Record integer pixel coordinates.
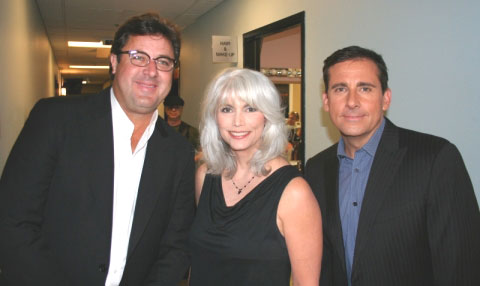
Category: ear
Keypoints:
(325, 102)
(113, 62)
(387, 98)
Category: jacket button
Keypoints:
(102, 268)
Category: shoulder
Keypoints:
(430, 149)
(414, 148)
(297, 189)
(103, 96)
(322, 158)
(297, 200)
(171, 134)
(417, 139)
(414, 141)
(55, 112)
(186, 125)
(201, 172)
(327, 153)
(426, 153)
(199, 179)
(77, 104)
(422, 147)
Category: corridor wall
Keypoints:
(430, 46)
(28, 68)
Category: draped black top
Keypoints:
(240, 244)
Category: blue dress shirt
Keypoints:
(353, 177)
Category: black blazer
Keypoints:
(56, 196)
(419, 223)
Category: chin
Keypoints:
(352, 132)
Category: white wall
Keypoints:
(431, 47)
(28, 68)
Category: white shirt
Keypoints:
(128, 168)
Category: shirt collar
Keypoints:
(370, 147)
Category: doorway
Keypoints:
(278, 51)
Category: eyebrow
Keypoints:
(159, 57)
(340, 84)
(366, 84)
(164, 57)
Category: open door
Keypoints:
(277, 50)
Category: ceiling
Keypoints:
(97, 20)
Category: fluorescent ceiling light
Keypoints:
(88, 44)
(90, 67)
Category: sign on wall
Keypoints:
(224, 49)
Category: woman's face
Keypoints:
(240, 125)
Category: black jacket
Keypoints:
(419, 223)
(56, 200)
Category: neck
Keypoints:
(355, 143)
(138, 131)
(173, 121)
(243, 158)
(243, 173)
(350, 149)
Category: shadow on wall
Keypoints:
(332, 131)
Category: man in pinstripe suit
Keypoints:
(398, 206)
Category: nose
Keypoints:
(352, 99)
(151, 69)
(238, 119)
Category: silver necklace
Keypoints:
(239, 190)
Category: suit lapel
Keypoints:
(152, 183)
(98, 138)
(332, 206)
(388, 158)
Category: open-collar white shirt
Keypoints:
(128, 168)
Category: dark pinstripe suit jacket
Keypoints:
(419, 223)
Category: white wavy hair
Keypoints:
(259, 92)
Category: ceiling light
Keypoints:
(89, 67)
(88, 44)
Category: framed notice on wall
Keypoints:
(224, 49)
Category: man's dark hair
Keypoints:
(356, 53)
(146, 24)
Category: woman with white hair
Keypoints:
(257, 220)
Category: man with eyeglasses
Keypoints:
(98, 190)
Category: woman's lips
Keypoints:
(239, 134)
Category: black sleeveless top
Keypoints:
(241, 244)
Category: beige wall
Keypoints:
(28, 68)
(430, 46)
(295, 91)
(231, 18)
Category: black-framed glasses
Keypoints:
(142, 59)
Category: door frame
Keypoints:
(252, 46)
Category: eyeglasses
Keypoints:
(142, 59)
